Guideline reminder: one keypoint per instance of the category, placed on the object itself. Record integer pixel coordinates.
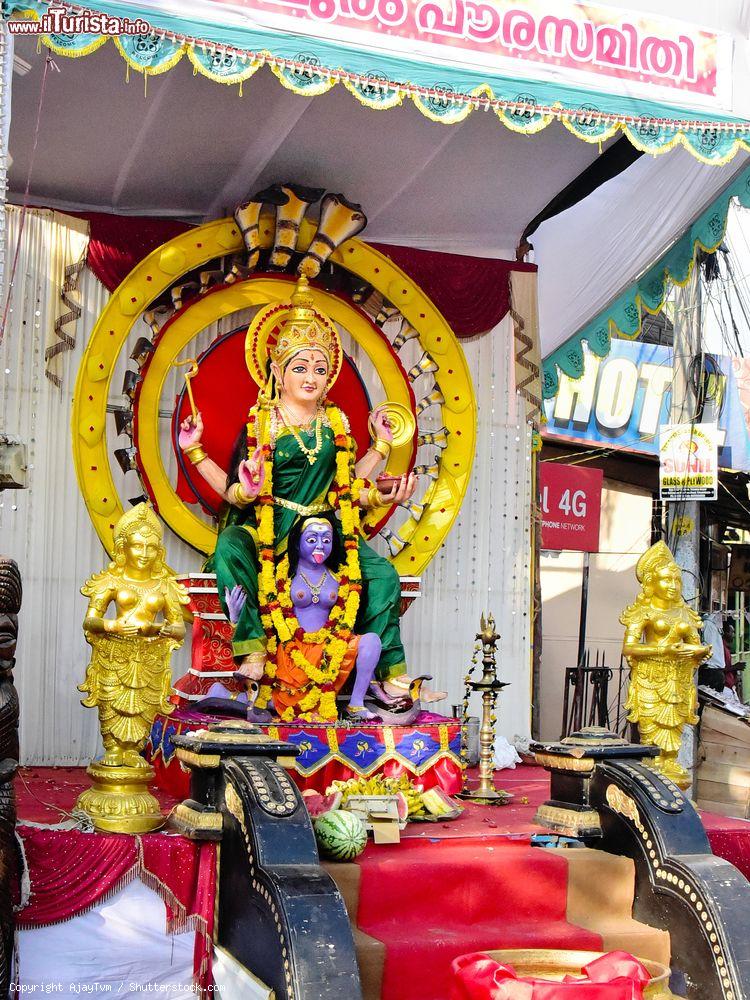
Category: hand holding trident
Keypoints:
(188, 376)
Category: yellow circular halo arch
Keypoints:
(158, 272)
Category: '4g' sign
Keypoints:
(571, 501)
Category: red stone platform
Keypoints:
(428, 751)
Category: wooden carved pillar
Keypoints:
(10, 866)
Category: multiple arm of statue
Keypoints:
(297, 461)
(250, 472)
(190, 441)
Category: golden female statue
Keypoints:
(663, 649)
(129, 677)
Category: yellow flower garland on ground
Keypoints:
(276, 608)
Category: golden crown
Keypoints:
(138, 518)
(652, 560)
(304, 328)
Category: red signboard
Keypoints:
(571, 503)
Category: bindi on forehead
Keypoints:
(311, 357)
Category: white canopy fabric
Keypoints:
(192, 149)
(119, 947)
(588, 254)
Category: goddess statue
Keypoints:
(663, 649)
(294, 460)
(129, 677)
(314, 544)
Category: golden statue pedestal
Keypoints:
(119, 800)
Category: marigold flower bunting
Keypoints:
(277, 611)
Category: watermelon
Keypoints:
(340, 834)
(318, 804)
(403, 807)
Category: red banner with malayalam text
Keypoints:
(589, 44)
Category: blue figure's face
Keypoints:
(316, 542)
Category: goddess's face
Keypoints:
(316, 543)
(668, 583)
(305, 377)
(141, 550)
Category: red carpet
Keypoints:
(448, 888)
(529, 787)
(475, 884)
(430, 902)
(48, 794)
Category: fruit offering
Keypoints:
(341, 835)
(414, 803)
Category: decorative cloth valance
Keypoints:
(623, 317)
(429, 62)
(70, 872)
(472, 293)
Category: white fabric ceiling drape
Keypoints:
(45, 528)
(484, 565)
(593, 251)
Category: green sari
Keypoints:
(235, 560)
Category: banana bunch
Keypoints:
(430, 804)
(378, 784)
(413, 796)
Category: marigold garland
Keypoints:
(275, 605)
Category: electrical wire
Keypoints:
(712, 296)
